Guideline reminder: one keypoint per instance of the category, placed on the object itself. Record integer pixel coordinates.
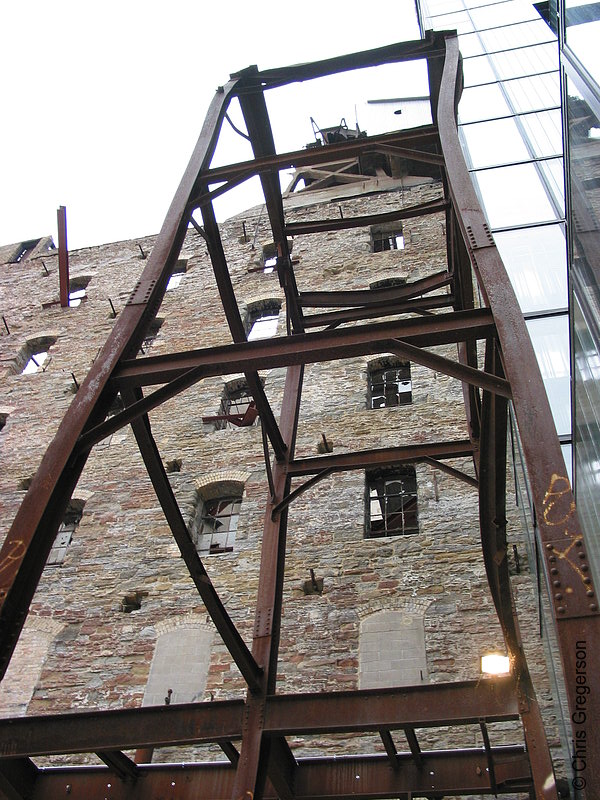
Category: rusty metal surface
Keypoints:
(462, 772)
(63, 256)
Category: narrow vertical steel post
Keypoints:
(63, 256)
(255, 752)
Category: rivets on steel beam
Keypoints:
(584, 567)
(561, 609)
(558, 596)
(593, 607)
(552, 559)
(587, 579)
(556, 584)
(548, 547)
(590, 593)
(581, 555)
(578, 543)
(554, 571)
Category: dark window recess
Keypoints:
(3, 418)
(65, 534)
(391, 386)
(24, 250)
(391, 507)
(151, 335)
(238, 404)
(216, 524)
(391, 239)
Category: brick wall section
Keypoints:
(103, 657)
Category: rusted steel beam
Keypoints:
(307, 348)
(383, 457)
(431, 705)
(256, 117)
(409, 153)
(449, 773)
(236, 326)
(446, 366)
(299, 490)
(389, 54)
(492, 514)
(258, 753)
(125, 729)
(455, 473)
(160, 481)
(390, 748)
(26, 547)
(63, 257)
(413, 743)
(122, 766)
(17, 779)
(361, 297)
(352, 148)
(572, 592)
(337, 224)
(422, 706)
(377, 310)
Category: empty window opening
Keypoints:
(387, 238)
(390, 386)
(174, 465)
(3, 418)
(24, 250)
(65, 533)
(151, 335)
(269, 257)
(391, 507)
(34, 356)
(262, 323)
(179, 271)
(237, 403)
(77, 290)
(215, 523)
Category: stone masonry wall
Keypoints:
(97, 656)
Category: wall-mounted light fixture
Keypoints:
(495, 664)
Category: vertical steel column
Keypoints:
(63, 256)
(256, 749)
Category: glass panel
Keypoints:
(448, 22)
(582, 30)
(536, 92)
(550, 338)
(470, 45)
(536, 262)
(481, 102)
(529, 61)
(497, 142)
(514, 196)
(567, 451)
(478, 70)
(503, 13)
(544, 131)
(512, 36)
(553, 172)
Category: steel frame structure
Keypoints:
(265, 766)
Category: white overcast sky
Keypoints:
(103, 102)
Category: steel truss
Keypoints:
(265, 765)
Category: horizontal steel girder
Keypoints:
(432, 705)
(450, 772)
(310, 348)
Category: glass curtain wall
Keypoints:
(579, 28)
(511, 130)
